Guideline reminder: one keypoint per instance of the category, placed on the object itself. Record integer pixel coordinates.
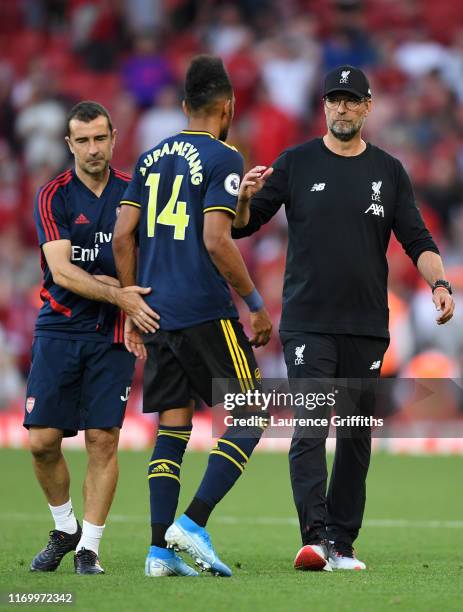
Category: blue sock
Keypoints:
(164, 479)
(227, 461)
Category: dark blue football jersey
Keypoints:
(175, 184)
(66, 209)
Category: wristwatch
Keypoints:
(442, 283)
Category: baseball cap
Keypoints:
(349, 79)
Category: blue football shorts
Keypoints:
(77, 384)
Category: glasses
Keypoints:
(350, 103)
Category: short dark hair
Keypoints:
(206, 80)
(87, 111)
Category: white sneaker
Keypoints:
(313, 557)
(342, 556)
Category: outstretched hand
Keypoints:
(130, 299)
(253, 181)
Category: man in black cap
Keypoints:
(343, 197)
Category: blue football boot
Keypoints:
(186, 535)
(163, 562)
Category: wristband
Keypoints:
(442, 283)
(254, 300)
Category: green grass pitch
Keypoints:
(412, 541)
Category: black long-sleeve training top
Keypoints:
(340, 211)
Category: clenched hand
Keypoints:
(261, 326)
(444, 303)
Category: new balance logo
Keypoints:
(162, 468)
(81, 219)
(376, 209)
(375, 365)
(344, 76)
(318, 187)
(299, 352)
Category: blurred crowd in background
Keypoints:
(131, 56)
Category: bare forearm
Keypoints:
(107, 280)
(430, 267)
(242, 213)
(82, 283)
(228, 260)
(125, 256)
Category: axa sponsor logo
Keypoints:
(375, 209)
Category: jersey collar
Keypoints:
(83, 186)
(200, 132)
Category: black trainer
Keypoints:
(87, 562)
(59, 544)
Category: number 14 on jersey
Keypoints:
(174, 212)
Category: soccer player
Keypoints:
(343, 198)
(181, 201)
(81, 373)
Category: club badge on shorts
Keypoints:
(30, 402)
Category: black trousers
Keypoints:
(338, 513)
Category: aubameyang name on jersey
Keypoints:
(90, 254)
(186, 150)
